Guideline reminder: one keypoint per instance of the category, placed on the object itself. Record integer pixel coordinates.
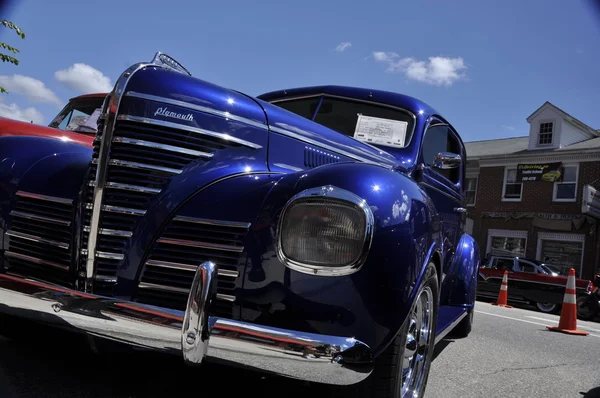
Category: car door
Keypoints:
(441, 179)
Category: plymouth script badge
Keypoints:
(174, 115)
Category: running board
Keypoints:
(449, 317)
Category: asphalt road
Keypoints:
(508, 354)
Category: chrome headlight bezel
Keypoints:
(340, 196)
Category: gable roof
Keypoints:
(502, 146)
(565, 115)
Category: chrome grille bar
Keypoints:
(188, 267)
(164, 147)
(203, 245)
(37, 217)
(44, 197)
(172, 289)
(134, 188)
(37, 239)
(35, 260)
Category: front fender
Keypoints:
(370, 304)
(463, 274)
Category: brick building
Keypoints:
(514, 205)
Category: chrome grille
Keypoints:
(186, 243)
(40, 238)
(143, 158)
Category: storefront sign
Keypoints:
(548, 172)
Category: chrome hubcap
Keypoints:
(418, 344)
(546, 307)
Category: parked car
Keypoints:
(68, 125)
(315, 233)
(530, 282)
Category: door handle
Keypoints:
(460, 209)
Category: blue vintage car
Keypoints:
(315, 233)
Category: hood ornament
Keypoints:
(161, 58)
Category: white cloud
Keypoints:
(437, 71)
(511, 128)
(84, 78)
(33, 89)
(14, 111)
(343, 46)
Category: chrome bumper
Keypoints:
(192, 334)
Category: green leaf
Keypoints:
(8, 58)
(9, 48)
(14, 27)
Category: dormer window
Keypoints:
(545, 135)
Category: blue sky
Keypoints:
(486, 65)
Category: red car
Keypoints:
(529, 282)
(73, 123)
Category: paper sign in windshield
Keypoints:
(378, 131)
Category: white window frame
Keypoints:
(476, 177)
(541, 236)
(505, 233)
(556, 183)
(504, 182)
(537, 135)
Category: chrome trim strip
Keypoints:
(189, 267)
(36, 260)
(44, 197)
(191, 129)
(110, 232)
(341, 360)
(219, 223)
(123, 210)
(134, 188)
(143, 166)
(111, 108)
(31, 216)
(335, 150)
(225, 297)
(37, 239)
(199, 108)
(164, 147)
(337, 194)
(110, 256)
(201, 245)
(105, 279)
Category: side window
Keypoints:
(503, 264)
(527, 267)
(304, 107)
(439, 138)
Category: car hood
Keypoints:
(10, 127)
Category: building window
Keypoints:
(471, 190)
(566, 190)
(506, 243)
(545, 135)
(512, 189)
(563, 251)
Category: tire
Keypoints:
(463, 329)
(386, 380)
(584, 312)
(547, 308)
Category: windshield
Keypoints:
(80, 116)
(550, 269)
(367, 122)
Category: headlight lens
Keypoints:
(324, 234)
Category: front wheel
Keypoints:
(402, 369)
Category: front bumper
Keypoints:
(192, 334)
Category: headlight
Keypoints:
(325, 231)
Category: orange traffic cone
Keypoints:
(503, 294)
(568, 313)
